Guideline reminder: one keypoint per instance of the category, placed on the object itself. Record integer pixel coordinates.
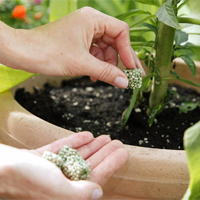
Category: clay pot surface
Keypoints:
(148, 173)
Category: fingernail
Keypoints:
(121, 82)
(97, 194)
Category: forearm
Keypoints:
(7, 45)
(15, 48)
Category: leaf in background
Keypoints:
(192, 147)
(180, 37)
(188, 106)
(176, 76)
(166, 15)
(182, 4)
(11, 77)
(190, 63)
(145, 82)
(143, 20)
(151, 27)
(61, 8)
(150, 2)
(130, 108)
(153, 114)
(131, 13)
(111, 7)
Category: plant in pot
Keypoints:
(149, 173)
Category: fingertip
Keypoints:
(121, 82)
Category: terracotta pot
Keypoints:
(148, 174)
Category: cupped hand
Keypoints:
(85, 42)
(26, 175)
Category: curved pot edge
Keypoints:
(149, 173)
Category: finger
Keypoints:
(97, 52)
(93, 79)
(104, 71)
(74, 141)
(111, 55)
(105, 41)
(92, 147)
(105, 151)
(119, 30)
(110, 165)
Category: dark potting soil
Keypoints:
(81, 105)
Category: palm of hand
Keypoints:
(104, 156)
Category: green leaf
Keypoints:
(145, 82)
(188, 106)
(61, 8)
(166, 15)
(180, 37)
(143, 20)
(112, 7)
(131, 13)
(190, 63)
(182, 4)
(176, 76)
(151, 27)
(150, 2)
(11, 77)
(130, 108)
(192, 147)
(154, 113)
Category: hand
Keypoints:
(25, 175)
(85, 42)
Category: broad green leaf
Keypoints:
(153, 114)
(143, 20)
(11, 77)
(150, 2)
(188, 106)
(190, 63)
(60, 8)
(130, 108)
(180, 37)
(192, 147)
(166, 15)
(131, 13)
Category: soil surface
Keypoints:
(81, 105)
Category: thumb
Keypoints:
(86, 190)
(106, 72)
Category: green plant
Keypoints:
(24, 13)
(170, 42)
(70, 162)
(192, 147)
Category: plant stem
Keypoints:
(189, 20)
(164, 49)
